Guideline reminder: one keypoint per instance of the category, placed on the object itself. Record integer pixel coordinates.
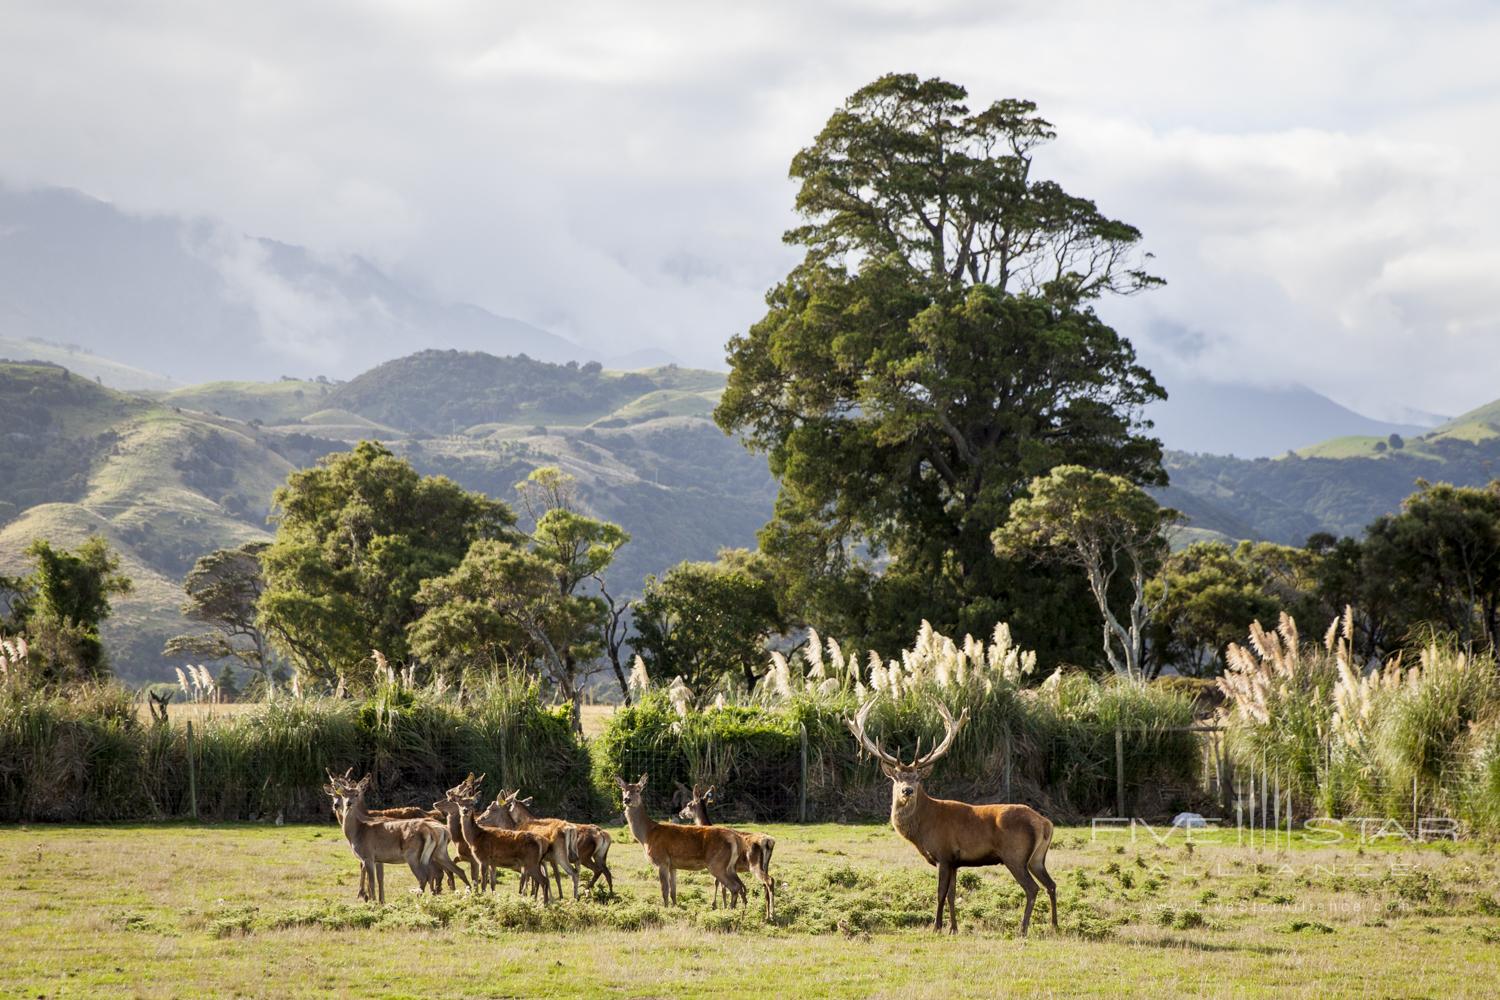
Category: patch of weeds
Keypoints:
(132, 920)
(329, 916)
(969, 881)
(1298, 926)
(1207, 897)
(1282, 899)
(1182, 920)
(232, 921)
(1487, 906)
(844, 876)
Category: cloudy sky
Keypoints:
(1318, 181)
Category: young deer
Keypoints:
(441, 863)
(593, 842)
(692, 848)
(953, 835)
(560, 834)
(755, 848)
(446, 812)
(376, 841)
(494, 848)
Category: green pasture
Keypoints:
(256, 910)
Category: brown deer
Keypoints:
(953, 835)
(446, 812)
(560, 833)
(755, 848)
(376, 841)
(441, 861)
(692, 848)
(495, 848)
(593, 842)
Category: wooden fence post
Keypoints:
(1119, 773)
(802, 803)
(192, 773)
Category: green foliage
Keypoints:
(355, 538)
(60, 606)
(706, 621)
(933, 352)
(89, 757)
(752, 750)
(223, 590)
(1444, 546)
(1102, 524)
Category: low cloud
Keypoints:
(1315, 179)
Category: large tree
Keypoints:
(533, 601)
(1112, 530)
(60, 605)
(935, 349)
(1444, 545)
(705, 621)
(355, 538)
(223, 590)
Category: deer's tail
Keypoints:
(602, 845)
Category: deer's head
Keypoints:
(632, 793)
(907, 776)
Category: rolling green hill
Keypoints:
(168, 476)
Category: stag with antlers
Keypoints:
(952, 835)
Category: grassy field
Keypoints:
(269, 911)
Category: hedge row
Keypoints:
(90, 757)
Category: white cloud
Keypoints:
(1315, 179)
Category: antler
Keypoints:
(857, 727)
(919, 760)
(937, 752)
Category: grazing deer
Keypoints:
(376, 841)
(494, 848)
(953, 835)
(755, 848)
(593, 842)
(441, 861)
(692, 848)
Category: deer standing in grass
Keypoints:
(953, 835)
(593, 842)
(496, 848)
(439, 865)
(561, 836)
(755, 848)
(376, 841)
(437, 815)
(693, 848)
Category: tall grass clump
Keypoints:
(83, 754)
(1346, 736)
(1053, 745)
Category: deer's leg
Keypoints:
(953, 901)
(672, 878)
(1027, 883)
(1044, 877)
(661, 875)
(945, 874)
(380, 878)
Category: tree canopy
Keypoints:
(60, 605)
(1106, 526)
(705, 621)
(934, 351)
(355, 538)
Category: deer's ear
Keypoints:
(642, 782)
(924, 772)
(888, 771)
(620, 781)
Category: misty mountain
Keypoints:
(1251, 422)
(191, 300)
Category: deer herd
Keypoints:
(949, 835)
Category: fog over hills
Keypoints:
(191, 300)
